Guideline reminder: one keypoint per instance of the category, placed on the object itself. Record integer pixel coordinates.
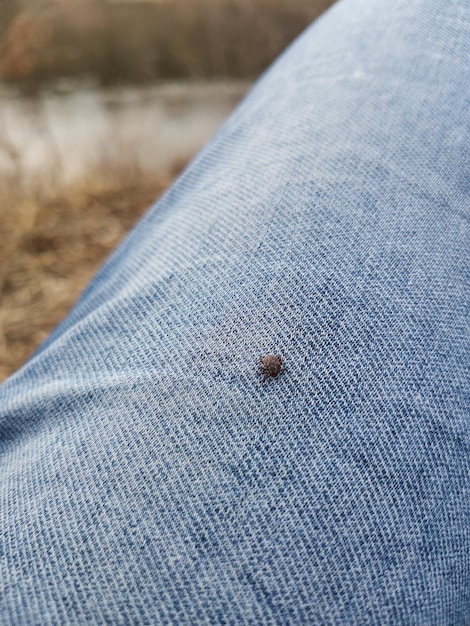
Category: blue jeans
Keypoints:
(149, 475)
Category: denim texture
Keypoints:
(148, 476)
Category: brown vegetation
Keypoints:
(145, 41)
(51, 244)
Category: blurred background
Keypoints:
(102, 103)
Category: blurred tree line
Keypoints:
(134, 41)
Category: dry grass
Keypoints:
(51, 244)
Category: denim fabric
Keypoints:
(148, 476)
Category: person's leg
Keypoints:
(149, 475)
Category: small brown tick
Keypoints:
(271, 366)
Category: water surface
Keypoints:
(74, 132)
